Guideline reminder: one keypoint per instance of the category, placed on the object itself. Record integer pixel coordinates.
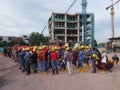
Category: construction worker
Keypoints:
(69, 61)
(22, 60)
(53, 58)
(34, 57)
(46, 57)
(28, 60)
(87, 57)
(104, 59)
(62, 63)
(41, 58)
(75, 57)
(66, 55)
(94, 63)
(115, 58)
(81, 58)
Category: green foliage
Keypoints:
(36, 39)
(2, 44)
(11, 43)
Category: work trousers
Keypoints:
(69, 65)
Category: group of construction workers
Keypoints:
(42, 58)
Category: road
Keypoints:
(11, 78)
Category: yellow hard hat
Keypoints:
(35, 47)
(87, 47)
(81, 47)
(34, 50)
(74, 47)
(94, 55)
(55, 48)
(111, 61)
(43, 46)
(27, 49)
(66, 45)
(67, 48)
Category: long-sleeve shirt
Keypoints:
(53, 56)
(81, 55)
(34, 58)
(22, 55)
(27, 57)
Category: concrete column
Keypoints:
(65, 27)
(52, 32)
(78, 32)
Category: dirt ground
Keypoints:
(11, 78)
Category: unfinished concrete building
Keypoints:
(67, 28)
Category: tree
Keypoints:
(37, 39)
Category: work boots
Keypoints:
(81, 69)
(87, 66)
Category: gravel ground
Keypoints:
(11, 78)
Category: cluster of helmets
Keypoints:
(77, 47)
(52, 48)
(81, 47)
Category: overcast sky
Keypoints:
(18, 17)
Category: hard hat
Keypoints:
(34, 50)
(35, 47)
(94, 55)
(23, 49)
(55, 48)
(111, 61)
(40, 48)
(87, 47)
(27, 49)
(75, 47)
(60, 59)
(67, 48)
(43, 46)
(82, 47)
(66, 45)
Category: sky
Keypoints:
(21, 17)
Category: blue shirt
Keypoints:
(81, 55)
(22, 55)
